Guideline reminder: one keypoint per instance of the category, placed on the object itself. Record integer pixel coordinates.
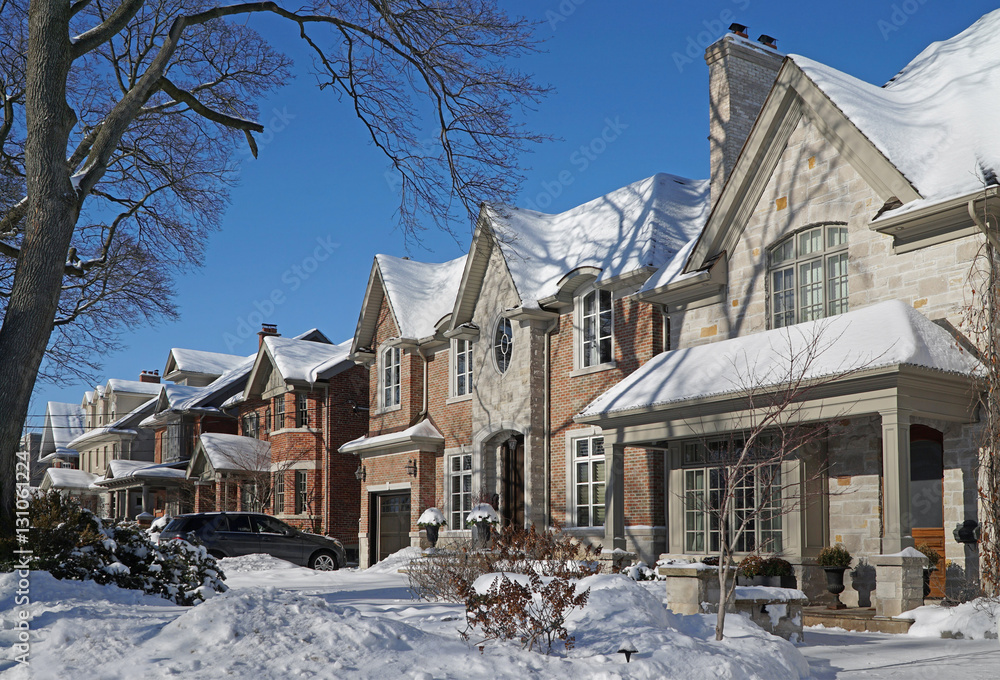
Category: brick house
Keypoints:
(575, 370)
(300, 399)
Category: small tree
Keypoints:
(747, 487)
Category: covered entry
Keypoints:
(392, 523)
(512, 499)
(927, 495)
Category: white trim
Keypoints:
(570, 445)
(389, 486)
(453, 353)
(474, 472)
(578, 367)
(297, 465)
(300, 430)
(500, 318)
(384, 348)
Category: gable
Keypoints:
(476, 267)
(372, 307)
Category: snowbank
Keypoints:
(254, 562)
(974, 620)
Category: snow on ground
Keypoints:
(279, 620)
(971, 620)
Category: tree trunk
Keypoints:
(49, 227)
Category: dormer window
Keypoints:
(503, 344)
(389, 381)
(596, 328)
(808, 276)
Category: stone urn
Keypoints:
(835, 584)
(481, 532)
(432, 534)
(928, 571)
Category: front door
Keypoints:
(512, 503)
(927, 496)
(393, 523)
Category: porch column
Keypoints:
(145, 500)
(614, 499)
(896, 519)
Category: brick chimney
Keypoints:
(740, 75)
(267, 329)
(150, 376)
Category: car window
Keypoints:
(177, 524)
(267, 525)
(239, 523)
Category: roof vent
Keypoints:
(768, 41)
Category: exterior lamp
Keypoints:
(360, 474)
(512, 443)
(411, 467)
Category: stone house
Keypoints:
(576, 369)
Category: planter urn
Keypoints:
(481, 534)
(835, 584)
(432, 534)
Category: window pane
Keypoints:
(583, 517)
(599, 494)
(598, 515)
(582, 445)
(836, 236)
(836, 276)
(598, 446)
(599, 471)
(456, 484)
(811, 241)
(467, 462)
(583, 494)
(811, 290)
(581, 472)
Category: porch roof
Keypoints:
(423, 432)
(233, 453)
(68, 478)
(885, 335)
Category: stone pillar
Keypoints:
(899, 582)
(614, 500)
(689, 586)
(145, 500)
(896, 533)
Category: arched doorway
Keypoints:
(927, 495)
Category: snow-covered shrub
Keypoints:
(449, 574)
(431, 517)
(70, 542)
(482, 514)
(521, 607)
(641, 572)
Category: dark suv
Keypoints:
(231, 534)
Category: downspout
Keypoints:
(327, 424)
(423, 411)
(548, 420)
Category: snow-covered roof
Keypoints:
(231, 452)
(200, 361)
(420, 293)
(306, 360)
(120, 469)
(928, 120)
(123, 426)
(67, 478)
(424, 430)
(134, 386)
(887, 334)
(641, 225)
(63, 423)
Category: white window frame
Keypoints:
(393, 391)
(493, 345)
(588, 434)
(581, 322)
(785, 304)
(464, 348)
(454, 513)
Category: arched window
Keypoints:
(503, 344)
(807, 275)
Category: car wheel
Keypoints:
(324, 560)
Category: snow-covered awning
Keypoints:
(127, 473)
(233, 453)
(881, 336)
(68, 479)
(422, 434)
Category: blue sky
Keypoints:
(315, 207)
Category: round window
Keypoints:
(503, 344)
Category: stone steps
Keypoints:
(860, 620)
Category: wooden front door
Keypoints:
(927, 496)
(512, 503)
(393, 524)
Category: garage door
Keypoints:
(393, 524)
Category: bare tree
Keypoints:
(982, 314)
(120, 119)
(746, 495)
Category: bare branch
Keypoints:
(102, 33)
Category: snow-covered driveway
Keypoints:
(847, 656)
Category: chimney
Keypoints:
(740, 75)
(267, 329)
(150, 376)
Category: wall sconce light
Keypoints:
(361, 474)
(512, 443)
(411, 467)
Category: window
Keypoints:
(596, 328)
(503, 344)
(389, 377)
(590, 476)
(301, 410)
(808, 276)
(251, 423)
(703, 491)
(267, 419)
(461, 489)
(248, 496)
(279, 412)
(462, 368)
(301, 491)
(279, 493)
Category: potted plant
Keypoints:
(777, 571)
(835, 560)
(934, 558)
(750, 571)
(481, 519)
(431, 520)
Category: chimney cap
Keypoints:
(738, 29)
(768, 41)
(269, 328)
